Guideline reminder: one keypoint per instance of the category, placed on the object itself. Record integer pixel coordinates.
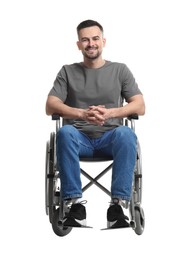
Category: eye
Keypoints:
(84, 40)
(96, 38)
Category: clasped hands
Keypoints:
(97, 114)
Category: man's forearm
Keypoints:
(126, 110)
(58, 107)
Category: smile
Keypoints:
(91, 49)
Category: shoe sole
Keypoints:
(72, 222)
(120, 223)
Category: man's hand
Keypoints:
(97, 114)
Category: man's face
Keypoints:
(91, 42)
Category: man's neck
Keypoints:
(93, 64)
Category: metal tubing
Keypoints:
(95, 180)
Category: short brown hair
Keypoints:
(88, 23)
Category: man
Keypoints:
(89, 96)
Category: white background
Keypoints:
(37, 38)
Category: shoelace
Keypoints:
(69, 203)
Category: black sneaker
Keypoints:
(116, 217)
(76, 217)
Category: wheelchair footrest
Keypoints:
(120, 223)
(71, 222)
(78, 226)
(111, 228)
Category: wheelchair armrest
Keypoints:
(55, 117)
(133, 116)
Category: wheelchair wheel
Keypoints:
(46, 181)
(138, 176)
(139, 220)
(49, 177)
(58, 227)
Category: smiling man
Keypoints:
(91, 43)
(89, 96)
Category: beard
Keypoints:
(93, 55)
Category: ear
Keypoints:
(104, 42)
(78, 45)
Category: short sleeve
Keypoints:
(60, 86)
(128, 83)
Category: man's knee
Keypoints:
(66, 134)
(125, 134)
(66, 131)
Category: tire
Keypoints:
(57, 226)
(140, 221)
(138, 176)
(46, 179)
(49, 177)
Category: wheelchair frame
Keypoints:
(56, 208)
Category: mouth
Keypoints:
(91, 49)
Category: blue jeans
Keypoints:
(120, 143)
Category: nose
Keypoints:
(90, 42)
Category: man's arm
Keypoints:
(54, 105)
(135, 105)
(95, 114)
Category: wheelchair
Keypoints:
(56, 208)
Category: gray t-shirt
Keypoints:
(80, 87)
